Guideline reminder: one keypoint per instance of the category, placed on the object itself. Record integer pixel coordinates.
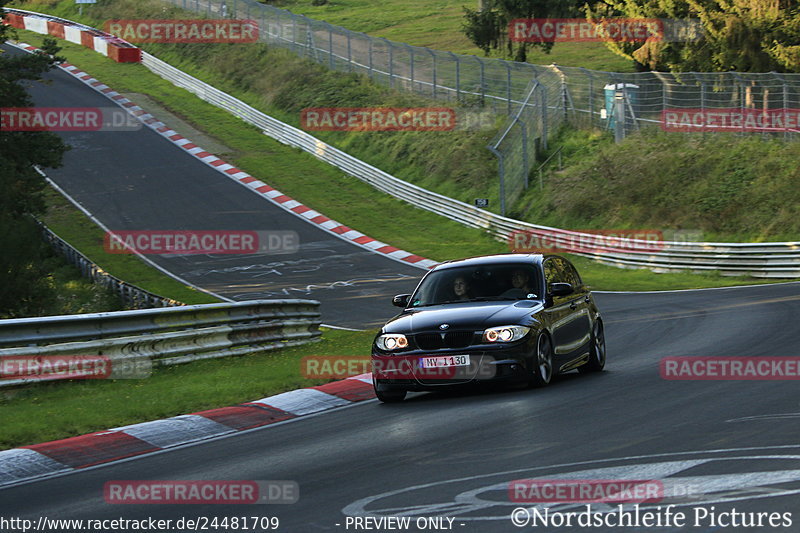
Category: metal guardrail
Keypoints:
(132, 295)
(768, 260)
(763, 260)
(573, 95)
(162, 337)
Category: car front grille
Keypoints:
(451, 339)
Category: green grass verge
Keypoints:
(51, 411)
(73, 226)
(69, 293)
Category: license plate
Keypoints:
(444, 361)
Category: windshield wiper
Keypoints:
(492, 298)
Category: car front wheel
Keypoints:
(543, 362)
(597, 355)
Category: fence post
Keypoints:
(349, 54)
(564, 95)
(544, 114)
(591, 94)
(524, 150)
(330, 46)
(482, 80)
(742, 104)
(502, 172)
(391, 61)
(619, 115)
(369, 52)
(458, 76)
(263, 31)
(294, 31)
(311, 46)
(411, 59)
(508, 84)
(433, 56)
(703, 103)
(785, 85)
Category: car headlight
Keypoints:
(391, 341)
(505, 333)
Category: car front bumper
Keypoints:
(488, 365)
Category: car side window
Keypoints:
(551, 272)
(568, 273)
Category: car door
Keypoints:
(557, 309)
(577, 322)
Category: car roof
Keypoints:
(496, 259)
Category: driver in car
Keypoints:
(461, 288)
(519, 285)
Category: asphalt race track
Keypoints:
(719, 445)
(729, 444)
(137, 180)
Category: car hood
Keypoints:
(470, 315)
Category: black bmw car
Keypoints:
(513, 318)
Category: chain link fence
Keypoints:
(537, 99)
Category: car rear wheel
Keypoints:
(597, 354)
(543, 363)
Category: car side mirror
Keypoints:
(561, 289)
(401, 300)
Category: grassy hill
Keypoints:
(662, 181)
(437, 24)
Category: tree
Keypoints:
(22, 282)
(740, 35)
(487, 27)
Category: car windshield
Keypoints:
(478, 283)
